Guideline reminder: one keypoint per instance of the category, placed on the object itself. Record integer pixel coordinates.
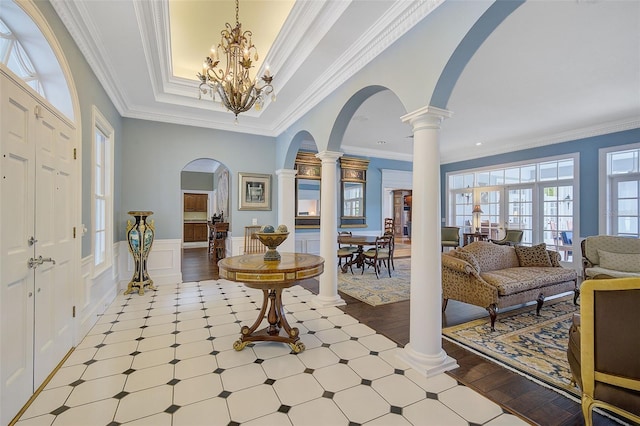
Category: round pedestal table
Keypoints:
(271, 277)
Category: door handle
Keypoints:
(33, 263)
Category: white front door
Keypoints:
(36, 220)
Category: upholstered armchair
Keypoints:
(604, 347)
(450, 237)
(512, 237)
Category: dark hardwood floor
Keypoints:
(532, 402)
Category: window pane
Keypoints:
(549, 171)
(512, 176)
(565, 169)
(627, 225)
(628, 189)
(628, 207)
(624, 162)
(528, 174)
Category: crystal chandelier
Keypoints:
(237, 91)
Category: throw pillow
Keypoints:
(533, 256)
(469, 258)
(623, 262)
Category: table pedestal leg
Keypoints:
(277, 322)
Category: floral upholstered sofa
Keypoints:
(495, 276)
(608, 256)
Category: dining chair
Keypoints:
(389, 224)
(251, 243)
(379, 254)
(217, 241)
(346, 251)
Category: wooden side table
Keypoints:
(469, 237)
(271, 277)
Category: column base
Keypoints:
(326, 302)
(427, 365)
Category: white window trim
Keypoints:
(604, 191)
(100, 122)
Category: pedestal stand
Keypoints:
(140, 238)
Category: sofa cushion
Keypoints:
(597, 270)
(533, 256)
(467, 257)
(492, 256)
(610, 243)
(514, 280)
(623, 262)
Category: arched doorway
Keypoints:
(204, 186)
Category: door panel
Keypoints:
(53, 314)
(17, 225)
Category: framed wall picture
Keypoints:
(255, 191)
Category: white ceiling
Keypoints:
(552, 71)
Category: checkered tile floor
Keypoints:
(167, 358)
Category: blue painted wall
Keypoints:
(587, 149)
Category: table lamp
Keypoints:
(477, 211)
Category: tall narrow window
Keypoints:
(623, 191)
(102, 192)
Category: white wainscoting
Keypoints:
(164, 264)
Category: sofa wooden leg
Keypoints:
(540, 301)
(493, 313)
(444, 304)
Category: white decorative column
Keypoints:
(424, 351)
(287, 206)
(328, 294)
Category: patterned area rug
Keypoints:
(378, 291)
(532, 345)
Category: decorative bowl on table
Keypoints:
(272, 238)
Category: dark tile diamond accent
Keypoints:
(203, 309)
(139, 339)
(174, 361)
(311, 332)
(354, 338)
(172, 409)
(144, 326)
(134, 353)
(100, 346)
(309, 370)
(206, 317)
(76, 383)
(269, 382)
(218, 370)
(323, 317)
(114, 424)
(122, 312)
(214, 353)
(398, 371)
(208, 326)
(175, 345)
(284, 409)
(365, 382)
(237, 321)
(224, 394)
(327, 394)
(337, 326)
(147, 317)
(232, 423)
(175, 332)
(176, 312)
(258, 361)
(431, 395)
(211, 338)
(175, 322)
(115, 322)
(396, 410)
(173, 382)
(91, 361)
(344, 361)
(325, 345)
(129, 371)
(233, 312)
(120, 395)
(374, 353)
(106, 333)
(354, 424)
(299, 322)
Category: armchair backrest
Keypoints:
(610, 346)
(514, 235)
(450, 233)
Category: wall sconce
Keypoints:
(477, 211)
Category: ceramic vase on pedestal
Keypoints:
(140, 238)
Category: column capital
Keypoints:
(428, 117)
(290, 173)
(329, 155)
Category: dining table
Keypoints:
(360, 241)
